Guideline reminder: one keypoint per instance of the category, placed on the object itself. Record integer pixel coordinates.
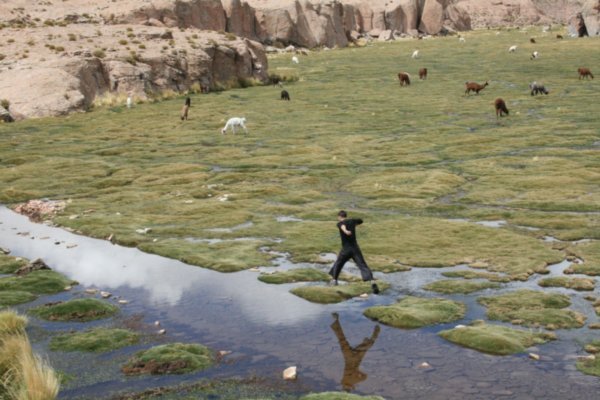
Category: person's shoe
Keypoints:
(375, 288)
(333, 282)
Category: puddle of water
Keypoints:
(268, 329)
(492, 224)
(241, 239)
(287, 218)
(232, 229)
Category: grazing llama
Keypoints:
(585, 73)
(535, 55)
(500, 106)
(512, 49)
(295, 60)
(186, 109)
(474, 87)
(129, 101)
(537, 88)
(233, 123)
(423, 73)
(532, 40)
(404, 78)
(415, 54)
(285, 95)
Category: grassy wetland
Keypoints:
(438, 179)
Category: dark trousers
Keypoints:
(355, 254)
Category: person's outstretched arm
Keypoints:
(358, 221)
(345, 230)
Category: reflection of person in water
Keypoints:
(353, 356)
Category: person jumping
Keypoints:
(350, 250)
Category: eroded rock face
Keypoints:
(51, 82)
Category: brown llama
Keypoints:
(559, 36)
(404, 78)
(186, 109)
(585, 73)
(474, 87)
(423, 73)
(532, 40)
(500, 106)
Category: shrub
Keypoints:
(2, 56)
(99, 53)
(72, 37)
(123, 42)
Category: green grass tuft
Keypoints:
(453, 286)
(9, 264)
(416, 312)
(569, 283)
(12, 297)
(336, 294)
(37, 282)
(495, 339)
(97, 340)
(338, 396)
(533, 308)
(78, 310)
(173, 358)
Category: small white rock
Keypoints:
(224, 353)
(290, 373)
(105, 295)
(156, 323)
(460, 327)
(254, 269)
(364, 296)
(424, 365)
(91, 291)
(123, 301)
(75, 216)
(534, 356)
(71, 245)
(162, 332)
(67, 288)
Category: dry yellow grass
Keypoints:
(23, 374)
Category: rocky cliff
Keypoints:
(47, 72)
(67, 53)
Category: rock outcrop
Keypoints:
(55, 79)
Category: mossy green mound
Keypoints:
(590, 254)
(37, 282)
(467, 274)
(336, 294)
(303, 275)
(416, 312)
(569, 283)
(533, 308)
(173, 358)
(338, 396)
(295, 275)
(453, 286)
(495, 339)
(96, 340)
(591, 366)
(12, 297)
(80, 310)
(9, 264)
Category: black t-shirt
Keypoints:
(349, 241)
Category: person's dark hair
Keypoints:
(342, 214)
(188, 102)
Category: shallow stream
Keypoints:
(268, 329)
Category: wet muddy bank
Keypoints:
(268, 329)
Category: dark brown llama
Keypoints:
(585, 73)
(500, 106)
(186, 109)
(423, 73)
(404, 78)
